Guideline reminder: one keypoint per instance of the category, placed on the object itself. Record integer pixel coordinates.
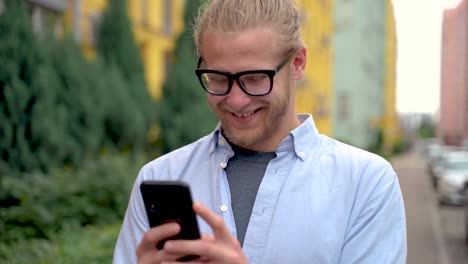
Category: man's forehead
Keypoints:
(252, 41)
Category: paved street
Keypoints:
(435, 232)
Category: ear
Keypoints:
(299, 63)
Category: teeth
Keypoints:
(243, 114)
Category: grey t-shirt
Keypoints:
(245, 172)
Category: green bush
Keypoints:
(40, 205)
(91, 244)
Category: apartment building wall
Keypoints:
(453, 124)
(359, 70)
(390, 122)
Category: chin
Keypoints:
(245, 139)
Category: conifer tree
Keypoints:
(18, 59)
(118, 49)
(185, 115)
(79, 100)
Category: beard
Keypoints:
(260, 134)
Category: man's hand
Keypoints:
(222, 248)
(146, 251)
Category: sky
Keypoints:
(418, 24)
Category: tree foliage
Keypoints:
(56, 107)
(118, 49)
(185, 115)
(21, 59)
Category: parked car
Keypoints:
(453, 178)
(466, 213)
(431, 147)
(437, 162)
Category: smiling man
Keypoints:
(269, 187)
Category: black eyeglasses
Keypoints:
(253, 82)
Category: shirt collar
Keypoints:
(298, 140)
(301, 139)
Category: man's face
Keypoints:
(253, 122)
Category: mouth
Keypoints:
(245, 117)
(245, 114)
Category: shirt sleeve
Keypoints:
(378, 235)
(134, 225)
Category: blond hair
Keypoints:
(282, 16)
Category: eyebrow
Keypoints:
(283, 61)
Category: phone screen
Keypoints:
(170, 201)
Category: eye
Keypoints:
(258, 77)
(214, 78)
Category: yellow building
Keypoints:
(391, 132)
(314, 93)
(156, 25)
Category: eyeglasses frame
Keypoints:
(236, 76)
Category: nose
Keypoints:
(237, 98)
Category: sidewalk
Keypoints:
(425, 239)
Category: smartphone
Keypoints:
(171, 201)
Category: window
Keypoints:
(2, 6)
(168, 61)
(324, 41)
(94, 23)
(321, 109)
(37, 19)
(343, 107)
(144, 12)
(167, 16)
(46, 17)
(77, 20)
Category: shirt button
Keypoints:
(223, 165)
(221, 142)
(301, 154)
(223, 208)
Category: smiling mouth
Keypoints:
(245, 114)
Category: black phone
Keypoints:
(171, 201)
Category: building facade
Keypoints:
(390, 121)
(364, 72)
(453, 122)
(349, 83)
(156, 25)
(46, 15)
(315, 93)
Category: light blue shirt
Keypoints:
(320, 201)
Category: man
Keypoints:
(269, 188)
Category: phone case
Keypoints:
(170, 201)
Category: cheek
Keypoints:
(213, 100)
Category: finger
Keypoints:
(177, 262)
(220, 229)
(180, 250)
(156, 234)
(167, 256)
(188, 247)
(207, 237)
(158, 256)
(148, 257)
(214, 252)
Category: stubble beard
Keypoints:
(260, 134)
